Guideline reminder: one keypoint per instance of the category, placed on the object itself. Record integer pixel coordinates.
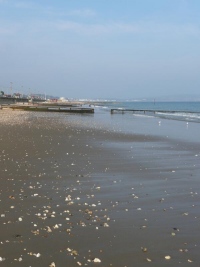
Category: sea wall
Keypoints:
(12, 100)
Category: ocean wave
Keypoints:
(195, 117)
(183, 111)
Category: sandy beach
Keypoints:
(74, 195)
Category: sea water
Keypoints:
(176, 120)
(185, 111)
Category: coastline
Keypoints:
(73, 191)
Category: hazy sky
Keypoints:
(100, 48)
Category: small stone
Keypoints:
(144, 249)
(96, 260)
(74, 253)
(168, 257)
(98, 187)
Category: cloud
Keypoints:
(4, 30)
(96, 28)
(172, 29)
(129, 28)
(82, 13)
(9, 28)
(76, 13)
(24, 5)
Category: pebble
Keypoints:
(144, 249)
(89, 218)
(96, 260)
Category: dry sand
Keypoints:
(78, 196)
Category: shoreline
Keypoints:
(71, 194)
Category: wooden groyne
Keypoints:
(39, 108)
(112, 111)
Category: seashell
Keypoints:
(68, 198)
(49, 229)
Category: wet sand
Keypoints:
(79, 196)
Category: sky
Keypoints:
(110, 49)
